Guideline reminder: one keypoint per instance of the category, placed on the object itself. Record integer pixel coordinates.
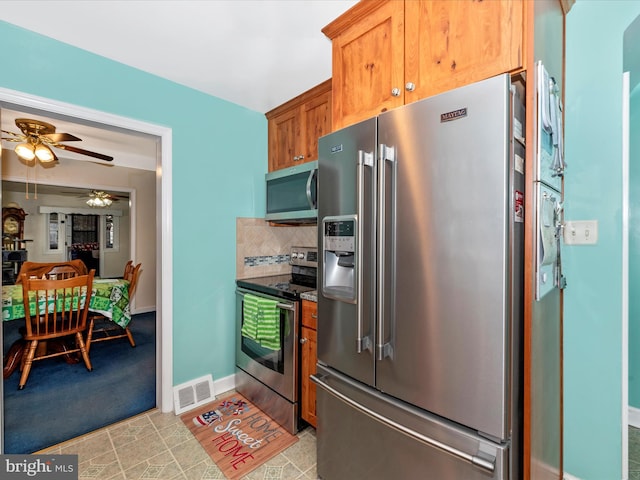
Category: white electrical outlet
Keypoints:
(581, 232)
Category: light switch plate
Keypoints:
(581, 232)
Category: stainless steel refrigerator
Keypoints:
(420, 225)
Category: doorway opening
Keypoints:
(13, 100)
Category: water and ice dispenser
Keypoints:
(339, 250)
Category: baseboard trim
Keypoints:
(225, 384)
(135, 311)
(634, 417)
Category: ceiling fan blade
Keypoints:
(81, 151)
(17, 136)
(15, 139)
(62, 137)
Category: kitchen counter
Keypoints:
(311, 296)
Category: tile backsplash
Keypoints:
(262, 249)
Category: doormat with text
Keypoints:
(236, 434)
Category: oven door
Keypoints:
(277, 369)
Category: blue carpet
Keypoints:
(62, 401)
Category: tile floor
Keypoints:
(159, 446)
(634, 453)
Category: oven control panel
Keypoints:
(304, 256)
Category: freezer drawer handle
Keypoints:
(484, 463)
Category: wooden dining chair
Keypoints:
(52, 270)
(62, 314)
(42, 270)
(61, 272)
(128, 268)
(105, 328)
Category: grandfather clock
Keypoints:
(12, 227)
(14, 251)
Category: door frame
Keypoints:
(624, 350)
(164, 258)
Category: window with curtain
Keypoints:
(84, 229)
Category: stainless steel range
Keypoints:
(265, 375)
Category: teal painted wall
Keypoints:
(592, 301)
(219, 161)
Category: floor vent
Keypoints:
(190, 395)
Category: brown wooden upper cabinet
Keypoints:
(295, 126)
(387, 53)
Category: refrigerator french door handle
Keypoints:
(481, 462)
(384, 349)
(365, 159)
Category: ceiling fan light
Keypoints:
(99, 202)
(25, 151)
(44, 153)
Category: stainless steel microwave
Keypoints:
(292, 194)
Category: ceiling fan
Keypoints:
(38, 137)
(100, 199)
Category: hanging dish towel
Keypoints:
(250, 314)
(268, 323)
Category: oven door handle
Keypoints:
(286, 306)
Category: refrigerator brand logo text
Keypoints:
(336, 148)
(456, 114)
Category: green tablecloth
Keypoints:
(109, 296)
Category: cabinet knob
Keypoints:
(304, 340)
(410, 86)
(314, 315)
(301, 157)
(395, 92)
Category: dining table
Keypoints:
(109, 297)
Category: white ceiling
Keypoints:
(254, 53)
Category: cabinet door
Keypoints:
(284, 139)
(308, 367)
(309, 314)
(454, 43)
(368, 63)
(315, 118)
